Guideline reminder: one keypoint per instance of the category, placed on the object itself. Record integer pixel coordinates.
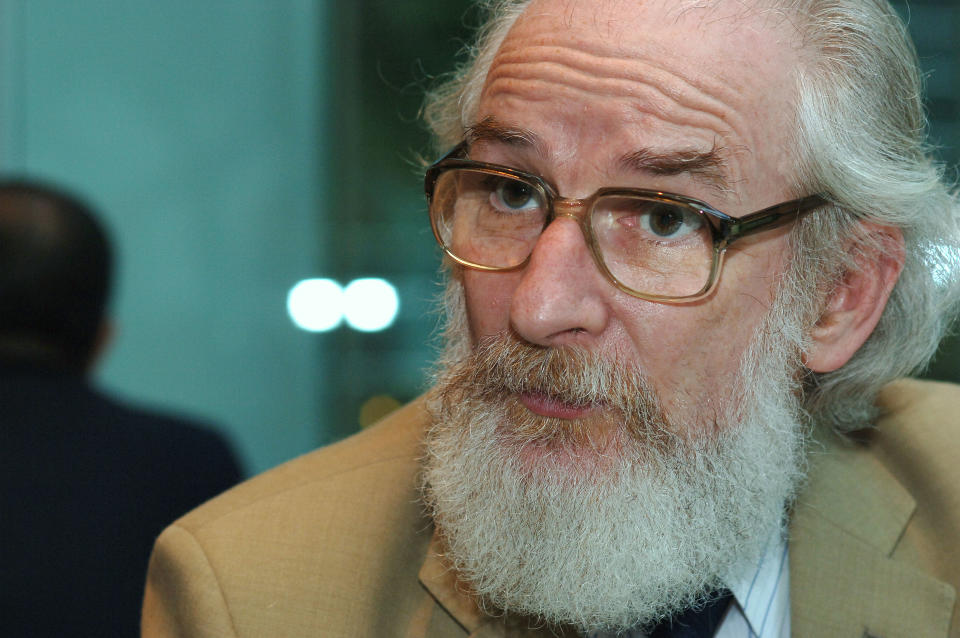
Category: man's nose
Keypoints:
(562, 296)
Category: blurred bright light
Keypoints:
(370, 304)
(316, 305)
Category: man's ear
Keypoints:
(856, 304)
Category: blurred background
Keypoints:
(239, 147)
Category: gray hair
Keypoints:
(861, 140)
(452, 105)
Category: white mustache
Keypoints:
(503, 364)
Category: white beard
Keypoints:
(616, 534)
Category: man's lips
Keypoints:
(544, 405)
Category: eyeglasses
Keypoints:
(650, 244)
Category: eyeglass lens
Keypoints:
(650, 245)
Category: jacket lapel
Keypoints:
(843, 530)
(439, 578)
(454, 596)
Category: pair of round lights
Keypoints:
(320, 305)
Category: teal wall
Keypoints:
(195, 126)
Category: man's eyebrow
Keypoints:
(709, 166)
(491, 129)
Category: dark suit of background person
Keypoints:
(87, 482)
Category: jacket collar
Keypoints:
(843, 530)
(440, 579)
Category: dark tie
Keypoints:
(701, 623)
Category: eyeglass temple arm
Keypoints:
(770, 218)
(430, 176)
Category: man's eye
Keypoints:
(670, 222)
(511, 195)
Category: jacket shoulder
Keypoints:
(928, 403)
(329, 543)
(918, 440)
(918, 434)
(394, 441)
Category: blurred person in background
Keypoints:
(88, 482)
(692, 246)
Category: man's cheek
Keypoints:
(488, 301)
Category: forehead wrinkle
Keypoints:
(711, 163)
(665, 93)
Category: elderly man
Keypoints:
(635, 428)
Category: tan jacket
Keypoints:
(335, 542)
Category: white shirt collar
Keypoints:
(763, 596)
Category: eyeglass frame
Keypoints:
(724, 229)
